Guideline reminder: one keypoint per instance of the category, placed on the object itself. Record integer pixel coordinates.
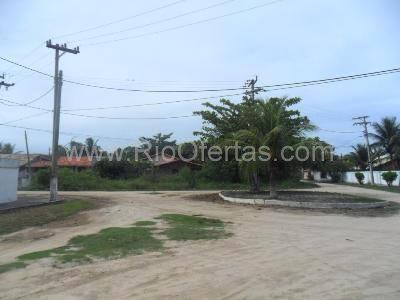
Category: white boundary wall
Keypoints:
(8, 180)
(350, 177)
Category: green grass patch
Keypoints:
(35, 216)
(145, 223)
(12, 266)
(185, 228)
(117, 242)
(109, 243)
(393, 189)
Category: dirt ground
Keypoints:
(273, 254)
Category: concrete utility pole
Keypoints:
(363, 122)
(3, 83)
(28, 157)
(253, 90)
(60, 50)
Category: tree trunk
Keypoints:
(272, 184)
(254, 183)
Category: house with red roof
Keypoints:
(73, 162)
(167, 164)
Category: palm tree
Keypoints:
(91, 145)
(359, 156)
(387, 136)
(273, 124)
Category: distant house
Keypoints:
(74, 163)
(320, 176)
(23, 172)
(168, 164)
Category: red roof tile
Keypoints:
(64, 162)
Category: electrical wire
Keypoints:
(127, 118)
(120, 20)
(67, 133)
(334, 131)
(151, 104)
(40, 97)
(24, 118)
(274, 87)
(185, 25)
(95, 117)
(155, 22)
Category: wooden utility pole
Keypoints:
(28, 157)
(363, 122)
(60, 50)
(3, 83)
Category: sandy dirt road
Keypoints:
(273, 254)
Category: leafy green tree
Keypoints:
(268, 123)
(389, 177)
(220, 122)
(360, 177)
(6, 148)
(387, 136)
(157, 142)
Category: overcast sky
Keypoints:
(285, 41)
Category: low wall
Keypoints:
(350, 177)
(301, 204)
(8, 180)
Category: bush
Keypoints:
(360, 177)
(220, 171)
(42, 178)
(336, 177)
(389, 177)
(188, 176)
(120, 169)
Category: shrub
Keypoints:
(389, 177)
(188, 176)
(41, 179)
(120, 169)
(220, 171)
(336, 177)
(360, 177)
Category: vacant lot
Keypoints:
(269, 253)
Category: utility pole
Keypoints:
(3, 83)
(60, 50)
(28, 157)
(253, 90)
(363, 122)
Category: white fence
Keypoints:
(350, 177)
(8, 180)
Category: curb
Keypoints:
(298, 204)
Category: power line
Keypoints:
(93, 116)
(25, 118)
(150, 104)
(120, 20)
(273, 87)
(186, 25)
(128, 118)
(334, 131)
(156, 22)
(66, 133)
(40, 97)
(334, 79)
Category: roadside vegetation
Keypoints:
(185, 180)
(393, 189)
(117, 242)
(18, 219)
